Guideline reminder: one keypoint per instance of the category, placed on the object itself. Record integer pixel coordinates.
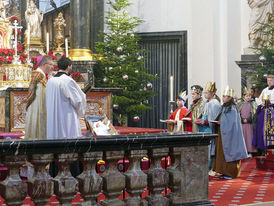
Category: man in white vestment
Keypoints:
(65, 104)
(268, 90)
(36, 117)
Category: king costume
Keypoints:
(230, 145)
(65, 103)
(36, 117)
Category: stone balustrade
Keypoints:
(187, 176)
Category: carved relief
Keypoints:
(17, 110)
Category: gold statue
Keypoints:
(59, 38)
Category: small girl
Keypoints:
(247, 110)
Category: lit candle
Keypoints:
(66, 45)
(47, 42)
(171, 78)
(28, 42)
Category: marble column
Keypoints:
(80, 12)
(80, 42)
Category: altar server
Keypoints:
(36, 117)
(230, 145)
(65, 103)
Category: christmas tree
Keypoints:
(266, 54)
(122, 64)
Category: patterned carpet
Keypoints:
(252, 187)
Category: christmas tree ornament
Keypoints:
(262, 58)
(119, 49)
(136, 118)
(145, 102)
(149, 85)
(115, 106)
(136, 71)
(125, 77)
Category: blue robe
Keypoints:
(232, 135)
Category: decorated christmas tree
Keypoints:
(122, 64)
(266, 54)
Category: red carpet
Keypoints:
(253, 186)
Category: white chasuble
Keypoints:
(66, 102)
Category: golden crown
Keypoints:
(246, 91)
(211, 87)
(228, 92)
(183, 95)
(266, 97)
(197, 88)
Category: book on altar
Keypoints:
(99, 126)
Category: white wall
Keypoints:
(217, 33)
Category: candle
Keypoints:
(47, 42)
(28, 42)
(66, 46)
(171, 78)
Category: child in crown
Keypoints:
(230, 145)
(247, 109)
(179, 114)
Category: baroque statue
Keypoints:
(259, 16)
(34, 18)
(3, 8)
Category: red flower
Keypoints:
(56, 68)
(13, 18)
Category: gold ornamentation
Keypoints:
(80, 55)
(228, 92)
(59, 37)
(266, 97)
(211, 87)
(246, 91)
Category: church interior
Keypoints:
(169, 96)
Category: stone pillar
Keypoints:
(65, 185)
(248, 65)
(175, 176)
(80, 30)
(136, 179)
(157, 178)
(80, 41)
(90, 183)
(13, 189)
(194, 175)
(40, 186)
(113, 181)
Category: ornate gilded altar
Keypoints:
(13, 108)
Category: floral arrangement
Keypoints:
(78, 77)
